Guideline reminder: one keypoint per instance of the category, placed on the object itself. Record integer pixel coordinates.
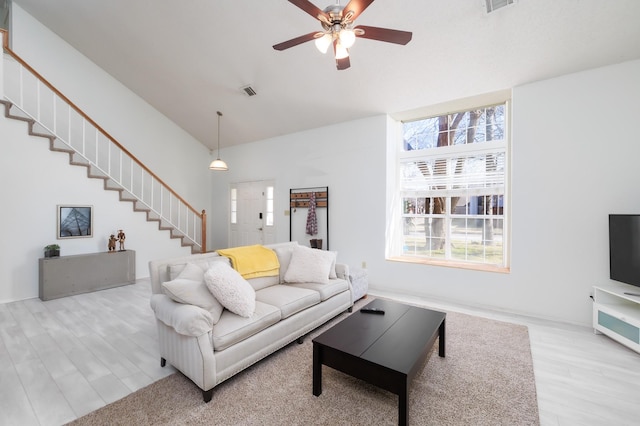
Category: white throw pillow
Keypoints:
(189, 288)
(284, 258)
(332, 270)
(309, 266)
(233, 291)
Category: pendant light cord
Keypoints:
(219, 115)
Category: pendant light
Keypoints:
(218, 164)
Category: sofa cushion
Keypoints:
(189, 288)
(309, 266)
(233, 291)
(288, 299)
(326, 291)
(262, 282)
(233, 328)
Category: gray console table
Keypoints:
(83, 273)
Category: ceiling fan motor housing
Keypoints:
(335, 17)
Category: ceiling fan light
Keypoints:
(323, 43)
(347, 38)
(341, 51)
(218, 165)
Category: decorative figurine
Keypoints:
(121, 238)
(112, 243)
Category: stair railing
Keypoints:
(105, 157)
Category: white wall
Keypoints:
(175, 156)
(574, 161)
(348, 158)
(35, 180)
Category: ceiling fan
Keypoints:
(337, 24)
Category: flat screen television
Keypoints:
(624, 248)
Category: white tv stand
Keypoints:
(617, 314)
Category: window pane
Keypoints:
(421, 134)
(477, 240)
(422, 236)
(460, 128)
(269, 215)
(234, 205)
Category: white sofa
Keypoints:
(209, 347)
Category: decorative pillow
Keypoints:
(233, 291)
(309, 266)
(189, 288)
(332, 270)
(284, 257)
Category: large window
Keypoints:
(451, 201)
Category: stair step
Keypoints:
(7, 107)
(153, 216)
(59, 146)
(127, 196)
(140, 206)
(79, 160)
(36, 129)
(176, 234)
(17, 114)
(112, 185)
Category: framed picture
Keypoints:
(75, 221)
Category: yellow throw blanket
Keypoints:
(253, 261)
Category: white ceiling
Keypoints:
(190, 58)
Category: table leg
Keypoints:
(441, 338)
(403, 405)
(317, 370)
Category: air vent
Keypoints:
(497, 4)
(248, 90)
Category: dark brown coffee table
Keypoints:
(384, 350)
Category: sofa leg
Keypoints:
(350, 309)
(207, 395)
(300, 340)
(163, 362)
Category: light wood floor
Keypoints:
(64, 358)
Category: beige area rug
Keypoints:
(486, 378)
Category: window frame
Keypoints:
(396, 194)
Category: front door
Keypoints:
(253, 220)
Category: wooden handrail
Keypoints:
(15, 56)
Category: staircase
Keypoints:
(28, 97)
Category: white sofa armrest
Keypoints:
(342, 271)
(188, 320)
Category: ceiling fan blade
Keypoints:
(384, 34)
(295, 41)
(343, 64)
(357, 7)
(309, 8)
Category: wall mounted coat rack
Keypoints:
(299, 207)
